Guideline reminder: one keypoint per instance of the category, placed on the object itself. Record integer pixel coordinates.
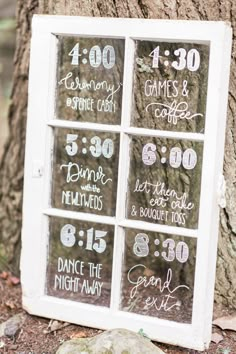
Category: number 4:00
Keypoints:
(97, 56)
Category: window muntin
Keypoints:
(164, 177)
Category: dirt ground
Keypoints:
(35, 336)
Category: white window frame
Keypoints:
(37, 181)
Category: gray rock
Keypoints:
(12, 325)
(116, 341)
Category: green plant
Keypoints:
(141, 332)
(224, 350)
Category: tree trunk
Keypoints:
(11, 165)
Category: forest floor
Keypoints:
(37, 335)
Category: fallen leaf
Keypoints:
(55, 326)
(227, 322)
(14, 347)
(14, 280)
(216, 338)
(79, 334)
(11, 280)
(10, 304)
(4, 275)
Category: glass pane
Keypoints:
(164, 181)
(80, 261)
(89, 79)
(85, 169)
(170, 86)
(158, 275)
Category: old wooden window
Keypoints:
(124, 154)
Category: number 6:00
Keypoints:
(188, 158)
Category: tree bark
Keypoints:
(11, 165)
(12, 161)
